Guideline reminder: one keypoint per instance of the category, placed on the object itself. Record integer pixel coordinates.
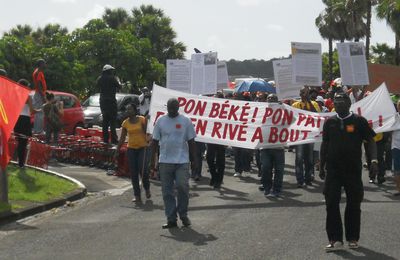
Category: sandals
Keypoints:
(353, 245)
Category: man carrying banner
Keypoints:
(272, 159)
(304, 152)
(174, 134)
(343, 135)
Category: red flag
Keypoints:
(12, 99)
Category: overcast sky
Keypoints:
(236, 29)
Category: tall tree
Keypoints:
(325, 22)
(356, 18)
(116, 18)
(21, 31)
(151, 23)
(370, 4)
(390, 11)
(331, 26)
(382, 54)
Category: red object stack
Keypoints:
(39, 154)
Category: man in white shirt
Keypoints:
(174, 135)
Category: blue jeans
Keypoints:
(179, 175)
(304, 163)
(136, 168)
(272, 159)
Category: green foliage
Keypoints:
(382, 54)
(136, 45)
(335, 66)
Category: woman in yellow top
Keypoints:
(135, 128)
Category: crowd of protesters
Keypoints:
(180, 156)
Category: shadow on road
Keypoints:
(148, 205)
(16, 227)
(267, 204)
(363, 253)
(190, 235)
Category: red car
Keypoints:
(73, 113)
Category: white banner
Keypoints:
(257, 124)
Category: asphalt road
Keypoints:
(237, 222)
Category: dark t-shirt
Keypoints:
(344, 139)
(108, 86)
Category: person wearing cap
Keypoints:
(39, 98)
(321, 102)
(108, 85)
(341, 153)
(3, 72)
(144, 100)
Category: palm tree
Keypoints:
(390, 11)
(21, 31)
(324, 22)
(116, 18)
(356, 18)
(370, 4)
(331, 26)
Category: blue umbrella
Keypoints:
(254, 86)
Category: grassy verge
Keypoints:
(29, 185)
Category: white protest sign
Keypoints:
(285, 89)
(306, 64)
(204, 73)
(353, 64)
(178, 75)
(222, 75)
(254, 125)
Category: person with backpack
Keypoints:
(53, 111)
(135, 128)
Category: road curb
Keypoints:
(36, 208)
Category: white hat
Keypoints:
(108, 67)
(320, 99)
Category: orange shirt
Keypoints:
(37, 77)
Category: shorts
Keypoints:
(396, 161)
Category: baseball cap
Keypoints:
(108, 67)
(320, 99)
